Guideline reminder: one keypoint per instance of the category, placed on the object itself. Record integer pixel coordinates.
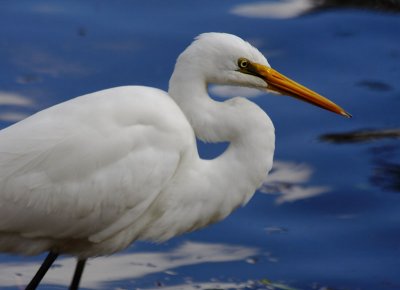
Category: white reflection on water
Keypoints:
(14, 99)
(284, 180)
(275, 9)
(126, 266)
(205, 285)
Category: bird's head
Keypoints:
(227, 59)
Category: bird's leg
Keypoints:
(51, 257)
(80, 265)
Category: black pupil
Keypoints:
(243, 64)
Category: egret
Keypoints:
(89, 176)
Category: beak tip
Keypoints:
(347, 115)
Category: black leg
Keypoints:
(80, 265)
(51, 257)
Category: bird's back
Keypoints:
(88, 168)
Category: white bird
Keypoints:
(89, 176)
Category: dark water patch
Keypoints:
(386, 168)
(344, 33)
(386, 175)
(362, 135)
(81, 31)
(375, 85)
(376, 5)
(28, 78)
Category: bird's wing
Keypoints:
(76, 169)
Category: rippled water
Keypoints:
(328, 216)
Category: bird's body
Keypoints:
(91, 175)
(89, 164)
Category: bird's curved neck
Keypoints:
(240, 170)
(203, 113)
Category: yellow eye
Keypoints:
(243, 63)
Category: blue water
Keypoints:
(329, 216)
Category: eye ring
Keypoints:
(243, 62)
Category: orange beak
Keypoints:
(285, 86)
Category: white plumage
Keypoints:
(78, 170)
(91, 175)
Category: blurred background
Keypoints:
(328, 216)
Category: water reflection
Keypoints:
(286, 179)
(383, 5)
(293, 8)
(28, 79)
(385, 159)
(104, 270)
(374, 85)
(363, 135)
(14, 100)
(206, 285)
(386, 168)
(282, 9)
(259, 285)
